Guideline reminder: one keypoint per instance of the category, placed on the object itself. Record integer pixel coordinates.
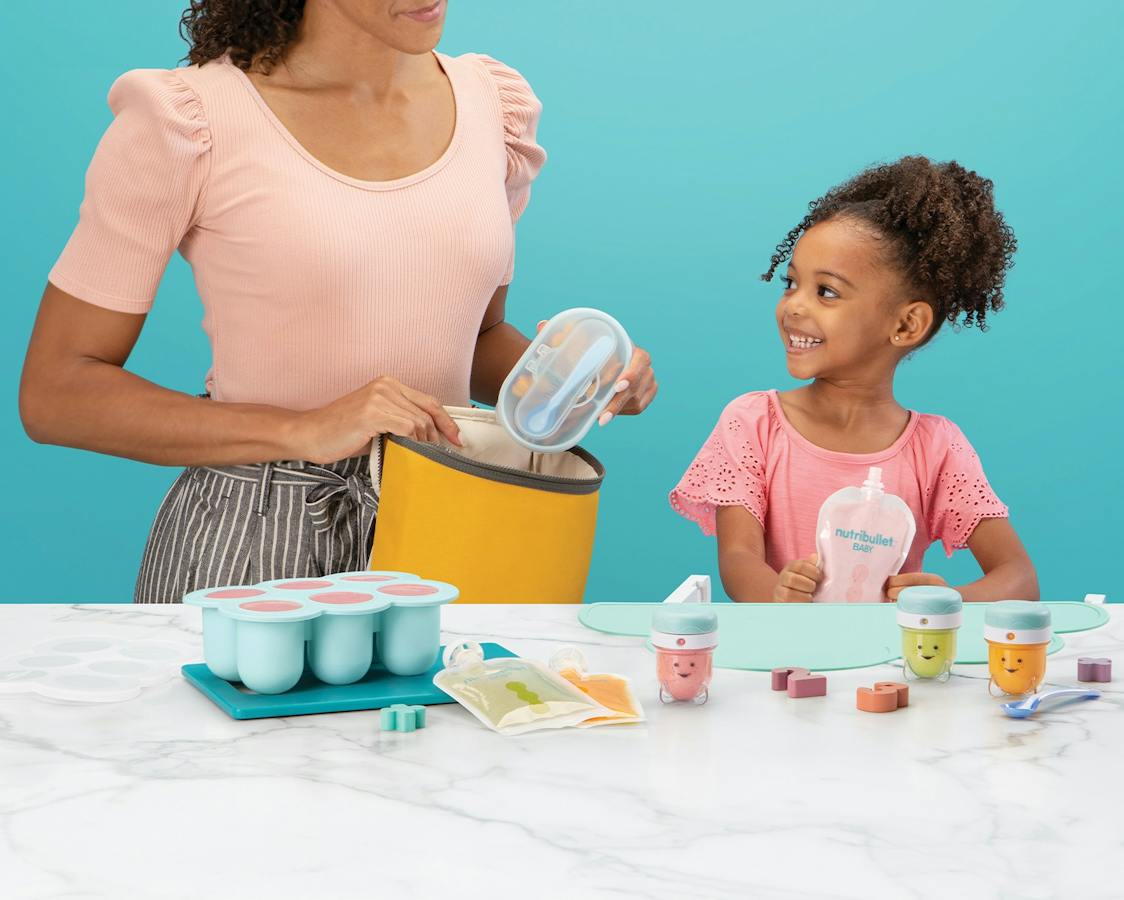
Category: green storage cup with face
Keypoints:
(930, 618)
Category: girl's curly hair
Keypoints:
(252, 30)
(940, 227)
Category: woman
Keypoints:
(346, 197)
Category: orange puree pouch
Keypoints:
(612, 691)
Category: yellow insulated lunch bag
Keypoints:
(503, 523)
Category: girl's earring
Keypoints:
(897, 337)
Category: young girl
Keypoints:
(873, 271)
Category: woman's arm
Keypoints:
(75, 392)
(498, 348)
(1008, 572)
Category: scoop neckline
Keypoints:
(840, 455)
(390, 185)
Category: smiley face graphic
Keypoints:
(1017, 668)
(684, 674)
(929, 654)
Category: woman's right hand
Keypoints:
(797, 581)
(345, 427)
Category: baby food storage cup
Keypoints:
(929, 618)
(684, 636)
(564, 380)
(270, 637)
(341, 645)
(220, 648)
(1018, 633)
(409, 635)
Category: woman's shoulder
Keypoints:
(165, 98)
(518, 104)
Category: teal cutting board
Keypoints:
(823, 636)
(374, 691)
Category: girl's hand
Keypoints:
(895, 583)
(636, 388)
(346, 426)
(797, 581)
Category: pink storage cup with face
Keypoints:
(684, 636)
(863, 536)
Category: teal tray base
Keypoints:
(310, 696)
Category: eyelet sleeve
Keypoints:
(729, 470)
(960, 496)
(144, 190)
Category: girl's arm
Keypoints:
(1008, 572)
(745, 575)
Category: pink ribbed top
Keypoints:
(313, 283)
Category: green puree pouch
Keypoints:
(512, 695)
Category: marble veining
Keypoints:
(754, 795)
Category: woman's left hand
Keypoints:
(636, 388)
(896, 583)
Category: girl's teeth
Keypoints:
(804, 343)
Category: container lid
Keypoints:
(345, 601)
(209, 598)
(370, 577)
(273, 607)
(930, 608)
(422, 592)
(564, 380)
(1017, 622)
(684, 618)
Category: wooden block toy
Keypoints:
(401, 717)
(781, 676)
(1094, 669)
(807, 685)
(885, 696)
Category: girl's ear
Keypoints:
(914, 325)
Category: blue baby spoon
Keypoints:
(1020, 709)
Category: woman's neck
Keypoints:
(331, 51)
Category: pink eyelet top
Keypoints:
(755, 458)
(313, 283)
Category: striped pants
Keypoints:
(244, 524)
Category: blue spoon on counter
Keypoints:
(1020, 709)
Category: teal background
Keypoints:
(684, 141)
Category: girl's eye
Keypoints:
(826, 292)
(787, 282)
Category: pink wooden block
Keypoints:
(1094, 669)
(806, 685)
(781, 676)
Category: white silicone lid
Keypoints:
(564, 380)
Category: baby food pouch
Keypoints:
(612, 691)
(512, 695)
(863, 536)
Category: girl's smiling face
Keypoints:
(845, 312)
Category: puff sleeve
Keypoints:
(144, 190)
(520, 110)
(959, 493)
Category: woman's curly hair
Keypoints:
(940, 227)
(252, 30)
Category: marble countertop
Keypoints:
(751, 796)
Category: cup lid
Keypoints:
(930, 600)
(210, 598)
(684, 618)
(273, 607)
(346, 601)
(1017, 622)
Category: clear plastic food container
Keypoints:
(564, 380)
